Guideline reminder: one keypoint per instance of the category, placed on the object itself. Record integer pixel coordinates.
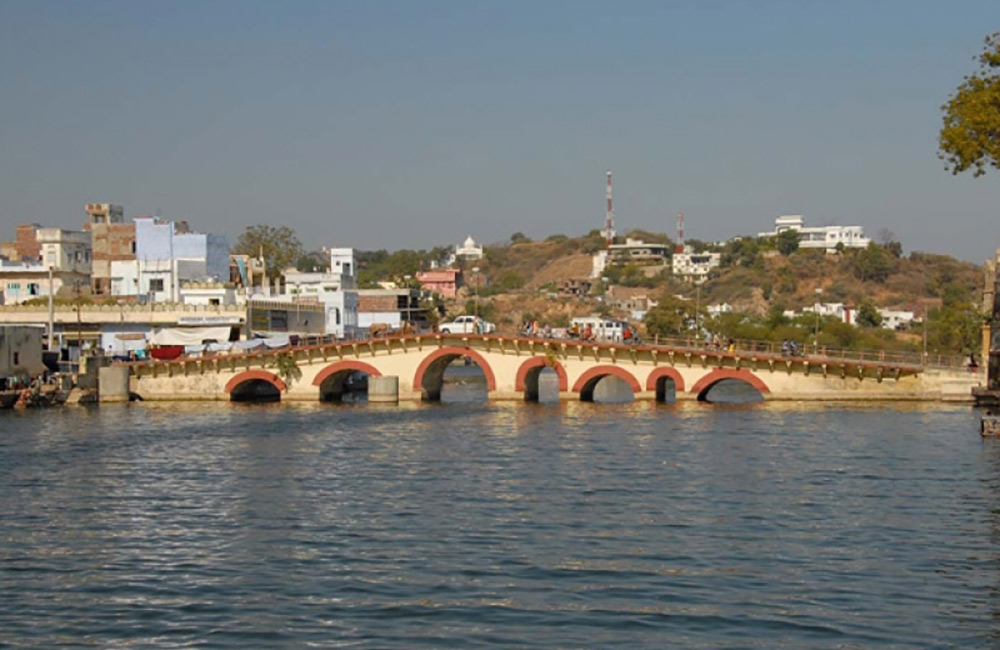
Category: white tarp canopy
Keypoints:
(189, 335)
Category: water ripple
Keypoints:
(479, 525)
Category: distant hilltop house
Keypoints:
(633, 251)
(892, 319)
(822, 237)
(694, 267)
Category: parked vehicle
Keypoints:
(467, 325)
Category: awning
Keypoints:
(189, 335)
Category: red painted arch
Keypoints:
(535, 362)
(600, 371)
(728, 373)
(453, 351)
(670, 373)
(250, 375)
(349, 366)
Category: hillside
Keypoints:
(521, 279)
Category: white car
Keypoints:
(467, 325)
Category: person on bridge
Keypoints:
(588, 333)
(784, 347)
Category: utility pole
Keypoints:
(79, 326)
(923, 359)
(697, 310)
(819, 292)
(52, 309)
(475, 269)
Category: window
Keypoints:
(14, 286)
(17, 358)
(156, 284)
(213, 301)
(133, 247)
(34, 289)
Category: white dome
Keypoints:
(469, 242)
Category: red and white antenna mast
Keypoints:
(609, 218)
(680, 232)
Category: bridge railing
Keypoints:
(736, 348)
(818, 352)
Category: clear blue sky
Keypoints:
(384, 124)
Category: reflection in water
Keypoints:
(472, 524)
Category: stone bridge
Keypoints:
(512, 365)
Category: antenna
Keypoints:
(609, 218)
(680, 232)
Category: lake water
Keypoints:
(476, 525)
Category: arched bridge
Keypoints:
(512, 365)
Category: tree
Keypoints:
(313, 262)
(888, 241)
(970, 135)
(288, 369)
(279, 246)
(671, 317)
(868, 316)
(872, 264)
(788, 242)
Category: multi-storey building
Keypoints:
(111, 240)
(827, 238)
(167, 254)
(59, 264)
(694, 267)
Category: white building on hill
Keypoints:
(823, 237)
(694, 267)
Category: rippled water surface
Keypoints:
(470, 525)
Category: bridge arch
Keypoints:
(255, 386)
(657, 381)
(585, 384)
(703, 385)
(330, 380)
(429, 376)
(526, 380)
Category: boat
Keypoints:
(8, 398)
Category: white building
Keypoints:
(166, 255)
(66, 252)
(720, 308)
(468, 250)
(821, 237)
(335, 290)
(844, 313)
(343, 268)
(694, 267)
(210, 293)
(895, 319)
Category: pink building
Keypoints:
(442, 281)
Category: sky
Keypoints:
(414, 123)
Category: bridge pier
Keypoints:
(383, 390)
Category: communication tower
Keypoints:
(609, 217)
